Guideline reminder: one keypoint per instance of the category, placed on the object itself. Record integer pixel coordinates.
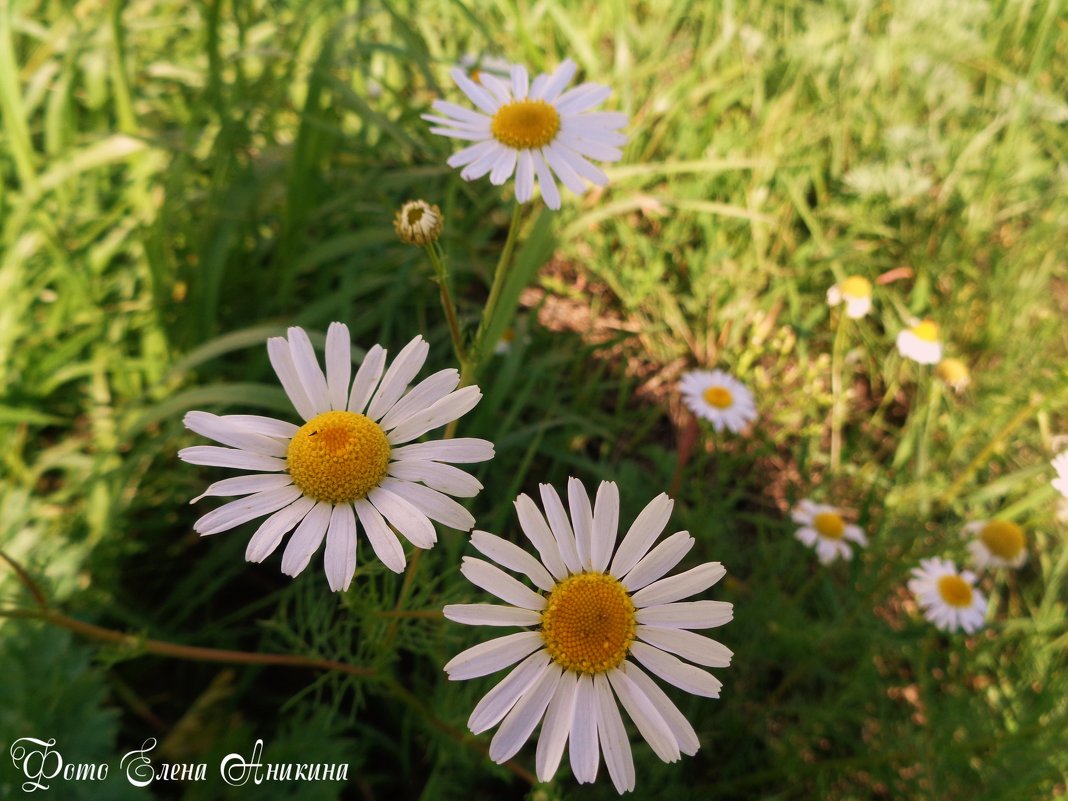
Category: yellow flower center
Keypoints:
(720, 397)
(926, 330)
(1002, 538)
(525, 124)
(955, 591)
(338, 457)
(588, 624)
(829, 525)
(856, 286)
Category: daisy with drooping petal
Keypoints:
(996, 543)
(348, 461)
(597, 613)
(719, 398)
(1060, 483)
(921, 342)
(533, 130)
(824, 528)
(949, 599)
(477, 65)
(855, 292)
(418, 222)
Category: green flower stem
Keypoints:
(837, 396)
(447, 304)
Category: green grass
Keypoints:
(180, 181)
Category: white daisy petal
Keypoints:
(338, 358)
(557, 727)
(503, 166)
(687, 615)
(306, 539)
(613, 737)
(404, 368)
(641, 535)
(521, 720)
(496, 87)
(679, 586)
(307, 367)
(496, 582)
(592, 173)
(367, 378)
(539, 534)
(520, 82)
(680, 727)
(493, 655)
(441, 477)
(581, 519)
(549, 192)
(404, 517)
(496, 703)
(461, 450)
(524, 177)
(241, 511)
(426, 392)
(511, 556)
(257, 424)
(473, 153)
(585, 755)
(582, 97)
(340, 555)
(479, 96)
(562, 167)
(695, 647)
(658, 561)
(214, 456)
(270, 533)
(383, 541)
(452, 406)
(675, 671)
(432, 503)
(460, 113)
(605, 525)
(246, 485)
(281, 358)
(216, 428)
(491, 615)
(561, 527)
(484, 164)
(642, 710)
(560, 78)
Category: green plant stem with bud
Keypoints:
(837, 398)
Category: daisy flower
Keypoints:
(996, 543)
(597, 613)
(347, 462)
(718, 397)
(921, 342)
(824, 528)
(531, 129)
(855, 292)
(954, 374)
(1060, 483)
(418, 222)
(949, 599)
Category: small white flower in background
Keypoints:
(824, 528)
(855, 292)
(597, 613)
(533, 130)
(347, 462)
(477, 65)
(949, 599)
(922, 342)
(954, 374)
(1060, 483)
(996, 543)
(418, 222)
(719, 398)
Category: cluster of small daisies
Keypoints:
(598, 614)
